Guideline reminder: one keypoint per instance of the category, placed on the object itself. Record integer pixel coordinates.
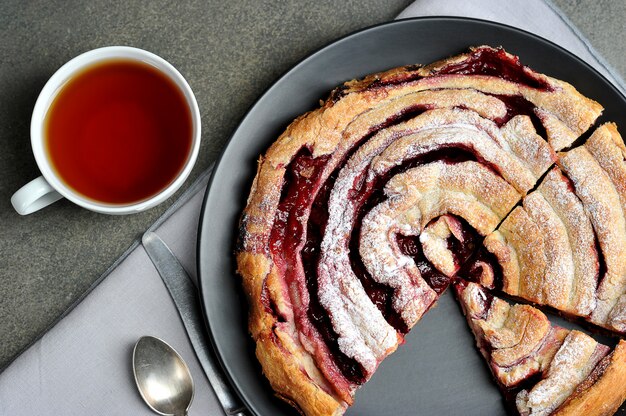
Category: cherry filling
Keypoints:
(301, 180)
(472, 270)
(380, 294)
(462, 249)
(305, 198)
(465, 247)
(601, 263)
(510, 393)
(367, 196)
(301, 183)
(316, 226)
(399, 78)
(482, 61)
(496, 63)
(516, 105)
(410, 246)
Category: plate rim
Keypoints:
(203, 219)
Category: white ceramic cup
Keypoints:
(49, 188)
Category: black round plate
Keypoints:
(438, 370)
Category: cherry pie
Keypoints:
(364, 210)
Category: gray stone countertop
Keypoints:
(229, 51)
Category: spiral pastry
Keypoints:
(576, 221)
(543, 369)
(364, 210)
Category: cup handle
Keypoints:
(33, 196)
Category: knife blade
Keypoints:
(186, 297)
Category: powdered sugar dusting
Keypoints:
(463, 128)
(362, 329)
(364, 334)
(459, 115)
(519, 339)
(529, 147)
(596, 191)
(559, 271)
(385, 262)
(466, 189)
(434, 240)
(570, 366)
(580, 241)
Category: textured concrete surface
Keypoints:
(603, 24)
(230, 52)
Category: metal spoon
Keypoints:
(162, 377)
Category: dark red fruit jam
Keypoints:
(516, 105)
(305, 198)
(301, 182)
(472, 269)
(396, 79)
(380, 294)
(496, 63)
(367, 196)
(463, 250)
(410, 246)
(301, 185)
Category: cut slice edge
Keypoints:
(540, 368)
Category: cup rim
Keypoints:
(47, 96)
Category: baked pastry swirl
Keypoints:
(576, 219)
(364, 209)
(543, 369)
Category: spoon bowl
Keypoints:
(162, 376)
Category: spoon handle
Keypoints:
(185, 296)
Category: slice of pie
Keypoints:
(576, 220)
(543, 369)
(363, 210)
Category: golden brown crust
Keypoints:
(566, 246)
(607, 147)
(599, 195)
(547, 249)
(576, 375)
(575, 359)
(602, 393)
(522, 264)
(516, 340)
(565, 112)
(290, 381)
(279, 355)
(290, 360)
(321, 129)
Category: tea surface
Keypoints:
(118, 132)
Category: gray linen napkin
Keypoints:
(81, 366)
